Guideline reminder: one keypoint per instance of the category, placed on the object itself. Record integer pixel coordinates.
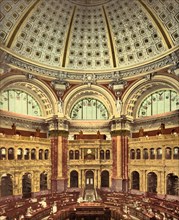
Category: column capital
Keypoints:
(56, 133)
(120, 126)
(57, 123)
(120, 133)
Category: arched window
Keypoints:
(11, 154)
(33, 154)
(46, 154)
(18, 101)
(159, 102)
(105, 178)
(107, 154)
(176, 153)
(26, 154)
(132, 154)
(89, 109)
(102, 154)
(152, 153)
(152, 182)
(6, 185)
(172, 184)
(138, 154)
(40, 154)
(2, 153)
(74, 178)
(135, 180)
(43, 181)
(19, 154)
(77, 154)
(159, 153)
(145, 154)
(168, 153)
(71, 156)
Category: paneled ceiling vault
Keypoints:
(79, 36)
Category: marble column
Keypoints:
(120, 132)
(54, 159)
(117, 164)
(62, 163)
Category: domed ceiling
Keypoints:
(94, 35)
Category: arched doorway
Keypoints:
(74, 179)
(135, 180)
(89, 180)
(26, 185)
(152, 182)
(105, 178)
(43, 181)
(172, 184)
(6, 185)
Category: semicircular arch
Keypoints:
(96, 92)
(140, 89)
(39, 90)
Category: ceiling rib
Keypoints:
(67, 39)
(9, 43)
(110, 39)
(159, 25)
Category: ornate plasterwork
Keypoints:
(137, 91)
(107, 35)
(135, 37)
(10, 13)
(167, 13)
(89, 2)
(68, 75)
(38, 89)
(97, 92)
(89, 127)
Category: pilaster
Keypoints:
(162, 183)
(143, 184)
(16, 184)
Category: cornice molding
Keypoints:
(24, 123)
(151, 123)
(165, 61)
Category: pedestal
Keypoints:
(117, 185)
(61, 185)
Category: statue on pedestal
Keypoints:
(141, 132)
(118, 105)
(13, 129)
(60, 106)
(37, 134)
(81, 134)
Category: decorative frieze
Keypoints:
(111, 75)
